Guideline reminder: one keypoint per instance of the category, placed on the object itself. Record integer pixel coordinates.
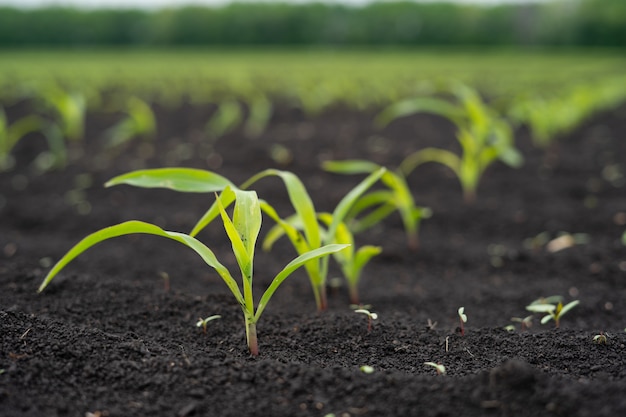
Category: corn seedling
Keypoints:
(227, 117)
(483, 135)
(204, 322)
(351, 261)
(370, 317)
(462, 319)
(525, 322)
(441, 370)
(69, 109)
(381, 203)
(259, 114)
(11, 134)
(554, 311)
(138, 123)
(313, 236)
(242, 231)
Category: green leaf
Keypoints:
(244, 259)
(425, 155)
(300, 200)
(420, 105)
(541, 308)
(187, 180)
(290, 268)
(568, 307)
(133, 227)
(348, 201)
(350, 166)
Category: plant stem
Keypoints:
(353, 292)
(321, 298)
(252, 337)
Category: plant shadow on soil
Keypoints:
(107, 338)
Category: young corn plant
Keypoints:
(483, 135)
(11, 134)
(69, 109)
(242, 231)
(381, 203)
(139, 123)
(350, 260)
(308, 235)
(227, 117)
(554, 308)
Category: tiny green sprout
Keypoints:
(525, 322)
(204, 322)
(366, 369)
(441, 370)
(462, 319)
(370, 317)
(555, 312)
(509, 328)
(601, 339)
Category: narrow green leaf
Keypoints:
(134, 227)
(178, 179)
(541, 308)
(568, 307)
(239, 248)
(425, 155)
(300, 200)
(290, 268)
(420, 105)
(350, 166)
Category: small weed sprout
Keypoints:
(204, 322)
(601, 339)
(462, 319)
(554, 311)
(525, 322)
(441, 370)
(370, 317)
(366, 369)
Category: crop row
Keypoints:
(485, 136)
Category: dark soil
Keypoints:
(107, 337)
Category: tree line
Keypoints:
(557, 23)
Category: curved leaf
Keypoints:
(420, 105)
(133, 227)
(290, 268)
(187, 180)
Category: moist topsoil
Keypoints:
(110, 337)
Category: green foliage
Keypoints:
(242, 230)
(554, 308)
(379, 204)
(138, 123)
(68, 107)
(550, 116)
(11, 134)
(313, 235)
(584, 23)
(227, 117)
(483, 135)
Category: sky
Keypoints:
(152, 4)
